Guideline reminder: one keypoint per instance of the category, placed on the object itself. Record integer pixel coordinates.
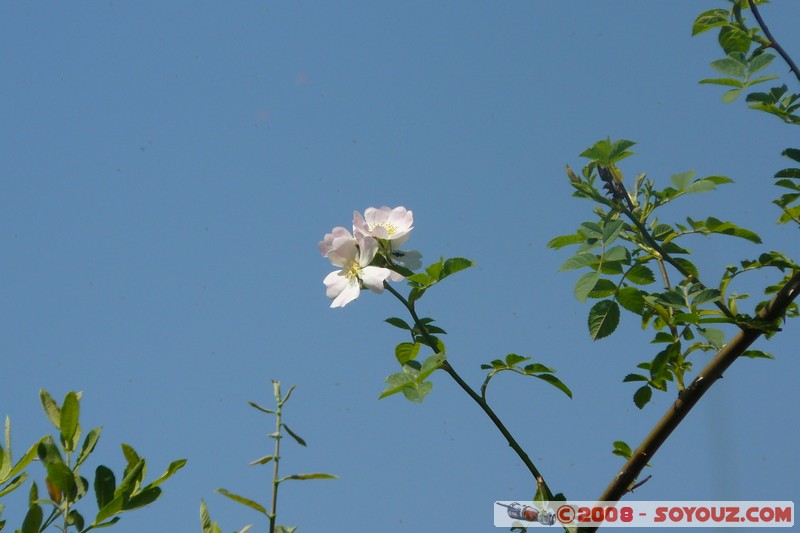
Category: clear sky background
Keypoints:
(169, 167)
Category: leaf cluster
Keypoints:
(63, 480)
(626, 247)
(513, 363)
(746, 55)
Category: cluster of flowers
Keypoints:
(367, 255)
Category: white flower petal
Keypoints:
(389, 224)
(373, 277)
(343, 251)
(368, 247)
(349, 294)
(327, 243)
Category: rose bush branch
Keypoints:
(773, 43)
(542, 486)
(626, 478)
(369, 258)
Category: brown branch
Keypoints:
(691, 395)
(772, 42)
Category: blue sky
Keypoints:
(170, 167)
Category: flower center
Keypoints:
(391, 229)
(351, 270)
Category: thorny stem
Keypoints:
(447, 367)
(772, 42)
(689, 397)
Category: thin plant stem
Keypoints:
(275, 460)
(772, 42)
(477, 398)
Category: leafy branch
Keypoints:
(444, 364)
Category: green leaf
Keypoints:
(316, 475)
(243, 501)
(579, 260)
(564, 240)
(70, 412)
(701, 185)
(642, 396)
(688, 266)
(130, 454)
(513, 359)
(262, 409)
(455, 264)
(730, 82)
(261, 460)
(89, 444)
(96, 525)
(110, 509)
(33, 520)
(205, 520)
(631, 299)
(396, 383)
(130, 481)
(608, 153)
(640, 275)
(715, 337)
(611, 230)
(603, 288)
(62, 477)
(622, 449)
(660, 361)
(616, 253)
(430, 365)
(398, 323)
(709, 19)
(294, 435)
(74, 518)
(682, 180)
(760, 62)
(757, 354)
(13, 485)
(603, 319)
(554, 381)
(535, 368)
(142, 499)
(715, 225)
(421, 279)
(434, 271)
(21, 464)
(733, 39)
(51, 408)
(416, 392)
(635, 377)
(47, 451)
(585, 285)
(706, 296)
(104, 486)
(792, 153)
(734, 65)
(731, 96)
(406, 351)
(173, 467)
